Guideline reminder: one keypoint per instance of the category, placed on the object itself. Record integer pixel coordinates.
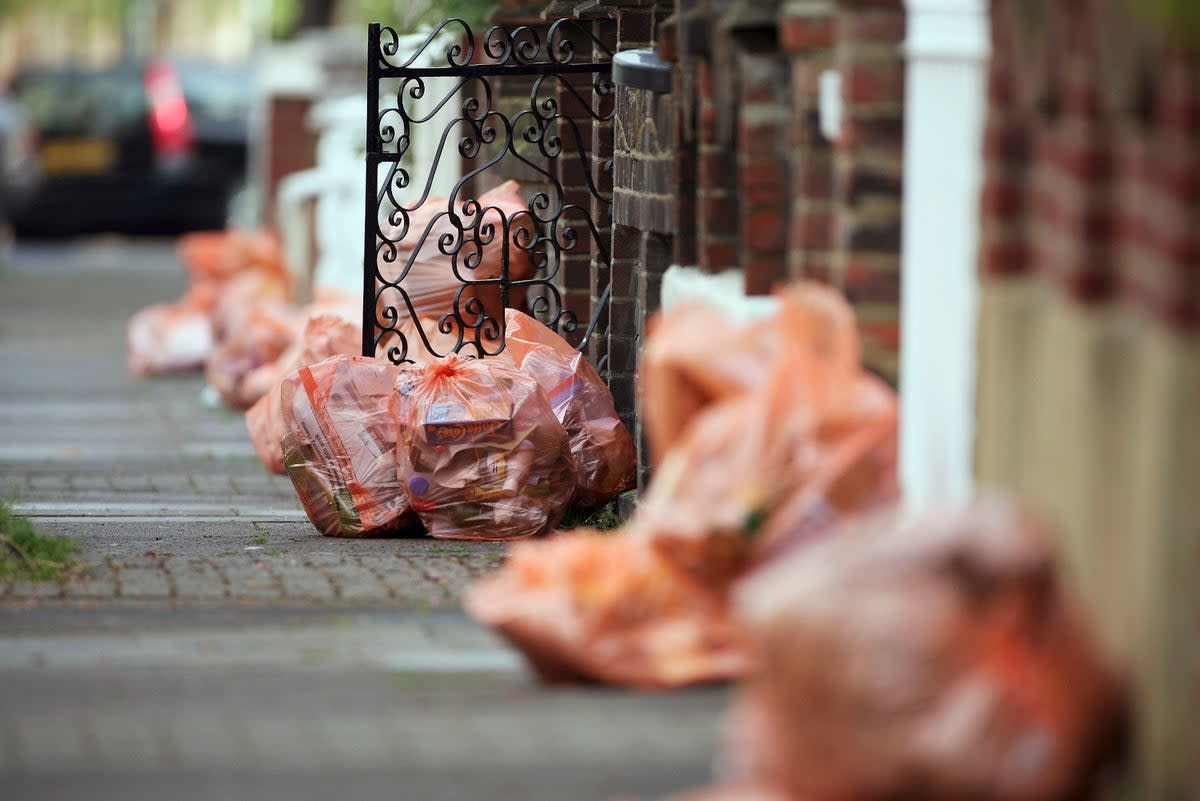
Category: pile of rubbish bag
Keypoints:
(461, 448)
(230, 273)
(883, 655)
(455, 447)
(765, 436)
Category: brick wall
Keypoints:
(1092, 162)
(731, 165)
(730, 168)
(867, 172)
(1090, 334)
(292, 145)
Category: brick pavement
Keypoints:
(164, 493)
(212, 645)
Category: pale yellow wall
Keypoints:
(89, 34)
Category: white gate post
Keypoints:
(945, 100)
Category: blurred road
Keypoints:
(214, 645)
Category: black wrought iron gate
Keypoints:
(492, 256)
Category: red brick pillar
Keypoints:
(604, 102)
(868, 165)
(645, 191)
(762, 128)
(718, 224)
(807, 34)
(291, 145)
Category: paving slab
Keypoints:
(212, 645)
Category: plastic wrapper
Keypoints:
(431, 283)
(167, 337)
(934, 657)
(480, 450)
(603, 451)
(609, 608)
(338, 447)
(815, 443)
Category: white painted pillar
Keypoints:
(945, 100)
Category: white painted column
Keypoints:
(945, 100)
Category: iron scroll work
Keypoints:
(534, 137)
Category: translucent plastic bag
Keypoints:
(814, 443)
(480, 451)
(325, 335)
(431, 283)
(935, 657)
(220, 255)
(694, 358)
(260, 338)
(338, 447)
(603, 451)
(166, 337)
(609, 608)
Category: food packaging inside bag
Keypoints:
(480, 452)
(338, 447)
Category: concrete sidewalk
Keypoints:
(164, 494)
(214, 645)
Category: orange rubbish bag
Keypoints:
(167, 337)
(219, 255)
(480, 451)
(430, 281)
(695, 358)
(262, 335)
(338, 447)
(935, 657)
(813, 444)
(603, 450)
(609, 608)
(325, 335)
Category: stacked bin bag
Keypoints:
(229, 273)
(452, 447)
(774, 434)
(480, 451)
(884, 654)
(935, 656)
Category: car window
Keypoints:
(220, 94)
(84, 103)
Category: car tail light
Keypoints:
(170, 124)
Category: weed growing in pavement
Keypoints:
(603, 518)
(26, 554)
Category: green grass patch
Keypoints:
(26, 554)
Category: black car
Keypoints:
(153, 147)
(16, 160)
